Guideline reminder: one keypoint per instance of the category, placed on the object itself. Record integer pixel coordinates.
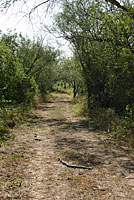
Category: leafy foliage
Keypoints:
(69, 75)
(102, 38)
(26, 68)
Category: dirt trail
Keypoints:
(54, 131)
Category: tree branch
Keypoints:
(117, 4)
(40, 69)
(73, 166)
(33, 9)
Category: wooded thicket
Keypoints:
(26, 69)
(102, 36)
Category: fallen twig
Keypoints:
(73, 166)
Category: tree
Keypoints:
(26, 66)
(38, 61)
(45, 71)
(69, 73)
(6, 4)
(16, 86)
(102, 36)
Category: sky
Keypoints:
(17, 19)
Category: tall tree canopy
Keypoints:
(102, 37)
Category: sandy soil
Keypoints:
(29, 166)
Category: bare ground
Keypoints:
(29, 166)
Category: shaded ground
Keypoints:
(30, 169)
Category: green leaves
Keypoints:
(102, 36)
(25, 66)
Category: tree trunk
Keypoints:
(88, 99)
(74, 89)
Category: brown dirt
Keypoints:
(29, 166)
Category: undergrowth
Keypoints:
(119, 130)
(10, 116)
(61, 88)
(80, 106)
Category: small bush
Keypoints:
(9, 117)
(124, 130)
(80, 106)
(103, 118)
